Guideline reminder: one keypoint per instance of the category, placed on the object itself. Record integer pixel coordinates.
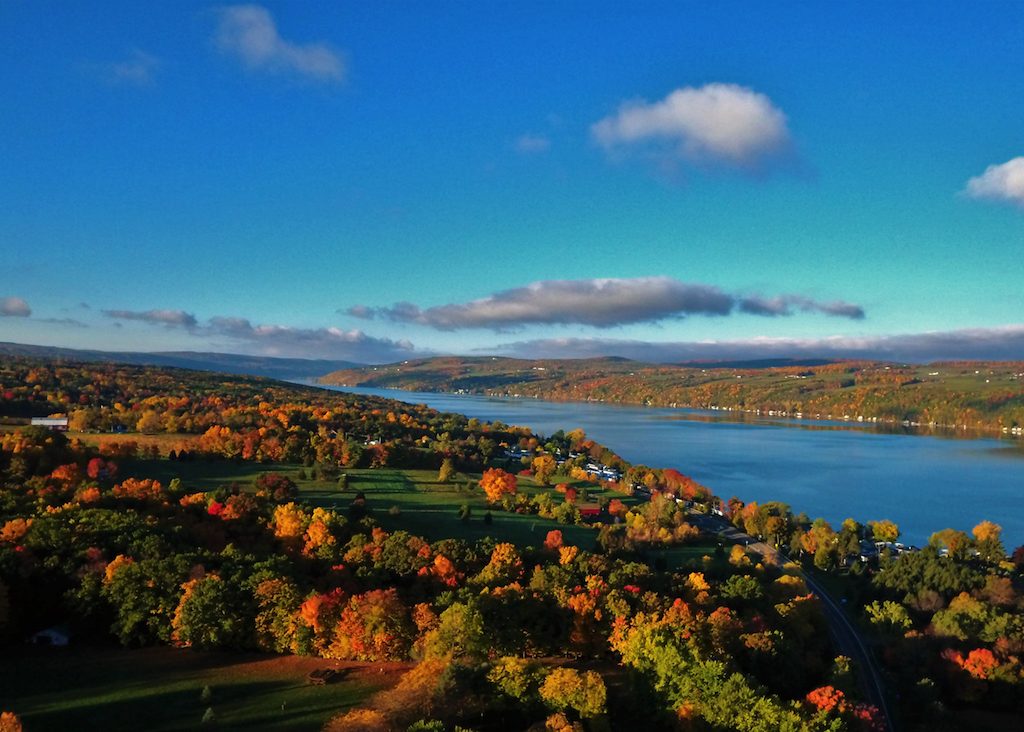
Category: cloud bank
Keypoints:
(788, 304)
(715, 123)
(1004, 182)
(14, 307)
(600, 303)
(283, 340)
(248, 33)
(169, 318)
(1005, 343)
(276, 340)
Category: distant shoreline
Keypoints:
(740, 416)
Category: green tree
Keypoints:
(889, 617)
(517, 678)
(211, 614)
(143, 596)
(460, 632)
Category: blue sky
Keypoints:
(679, 180)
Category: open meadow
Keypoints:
(410, 500)
(161, 689)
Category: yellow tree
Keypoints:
(567, 688)
(149, 422)
(544, 467)
(884, 530)
(989, 543)
(290, 522)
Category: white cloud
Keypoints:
(1000, 343)
(531, 144)
(14, 307)
(601, 303)
(1003, 182)
(717, 122)
(274, 340)
(248, 33)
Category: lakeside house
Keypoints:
(58, 424)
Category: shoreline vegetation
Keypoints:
(518, 580)
(970, 399)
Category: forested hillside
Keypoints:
(986, 396)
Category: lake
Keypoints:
(833, 470)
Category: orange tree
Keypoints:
(497, 483)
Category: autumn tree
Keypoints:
(988, 542)
(955, 542)
(884, 530)
(289, 523)
(567, 688)
(149, 423)
(277, 486)
(553, 540)
(544, 467)
(446, 472)
(498, 483)
(504, 567)
(277, 602)
(374, 626)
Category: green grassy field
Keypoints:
(425, 507)
(206, 475)
(157, 689)
(689, 554)
(430, 509)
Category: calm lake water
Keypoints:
(833, 470)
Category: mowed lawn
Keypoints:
(425, 507)
(157, 689)
(688, 555)
(430, 509)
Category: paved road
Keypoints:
(844, 635)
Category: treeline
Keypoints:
(249, 418)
